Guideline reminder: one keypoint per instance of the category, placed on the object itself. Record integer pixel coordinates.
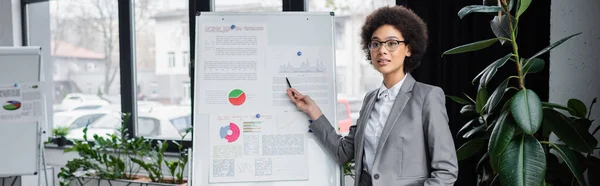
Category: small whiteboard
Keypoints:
(22, 110)
(246, 130)
(20, 148)
(19, 64)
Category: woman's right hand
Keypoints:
(304, 103)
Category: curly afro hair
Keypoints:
(413, 29)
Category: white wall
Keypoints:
(574, 65)
(10, 23)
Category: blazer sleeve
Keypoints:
(441, 150)
(341, 147)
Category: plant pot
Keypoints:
(61, 141)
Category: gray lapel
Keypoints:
(399, 104)
(363, 123)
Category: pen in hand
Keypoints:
(290, 86)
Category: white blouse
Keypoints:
(379, 114)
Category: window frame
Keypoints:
(127, 52)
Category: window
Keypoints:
(182, 123)
(342, 111)
(171, 59)
(83, 121)
(84, 49)
(109, 121)
(340, 28)
(248, 6)
(91, 67)
(148, 127)
(186, 59)
(354, 75)
(88, 107)
(163, 42)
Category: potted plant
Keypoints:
(60, 134)
(175, 168)
(116, 160)
(510, 128)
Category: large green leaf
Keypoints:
(501, 27)
(557, 106)
(477, 8)
(482, 98)
(523, 163)
(467, 125)
(523, 4)
(486, 77)
(575, 137)
(470, 148)
(546, 128)
(481, 74)
(568, 156)
(555, 44)
(533, 66)
(474, 130)
(494, 163)
(468, 110)
(501, 135)
(458, 100)
(496, 96)
(578, 107)
(471, 46)
(526, 109)
(511, 5)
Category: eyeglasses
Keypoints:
(390, 45)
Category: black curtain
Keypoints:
(454, 72)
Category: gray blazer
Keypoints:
(416, 146)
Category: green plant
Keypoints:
(349, 169)
(154, 168)
(175, 168)
(514, 138)
(60, 131)
(106, 158)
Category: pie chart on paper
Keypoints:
(237, 97)
(11, 105)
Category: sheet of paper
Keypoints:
(21, 102)
(232, 67)
(251, 148)
(241, 76)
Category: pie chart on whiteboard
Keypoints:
(11, 105)
(237, 97)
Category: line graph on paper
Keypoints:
(304, 66)
(299, 60)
